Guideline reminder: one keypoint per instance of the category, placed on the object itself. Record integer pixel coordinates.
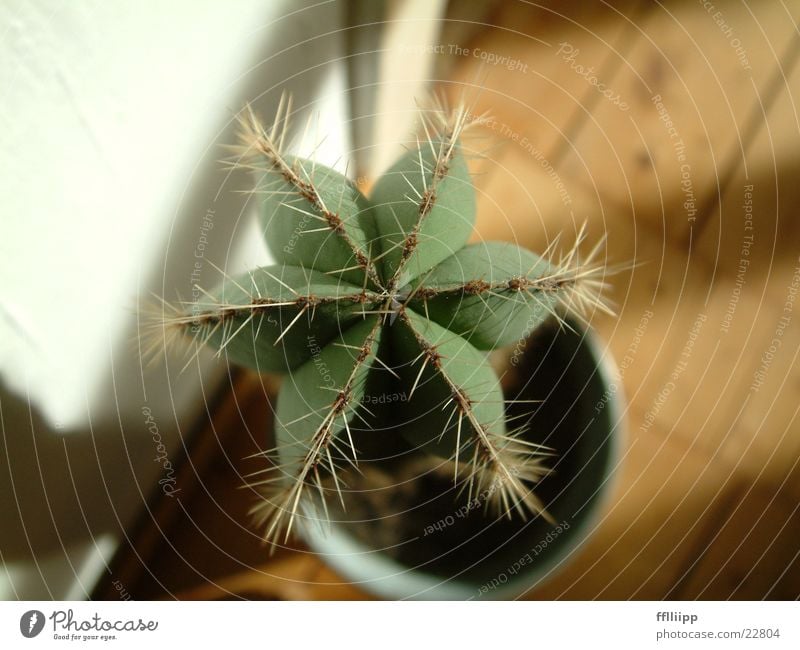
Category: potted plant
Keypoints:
(414, 459)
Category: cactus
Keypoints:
(385, 288)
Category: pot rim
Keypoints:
(386, 578)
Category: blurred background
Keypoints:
(670, 127)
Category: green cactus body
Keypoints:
(385, 284)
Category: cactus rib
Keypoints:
(305, 456)
(392, 272)
(256, 140)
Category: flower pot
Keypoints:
(436, 544)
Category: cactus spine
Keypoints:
(384, 286)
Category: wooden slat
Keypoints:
(765, 440)
(203, 532)
(716, 405)
(679, 283)
(526, 84)
(294, 577)
(755, 553)
(657, 513)
(683, 57)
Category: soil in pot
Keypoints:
(407, 507)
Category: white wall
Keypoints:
(111, 118)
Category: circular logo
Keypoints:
(31, 623)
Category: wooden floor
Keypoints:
(706, 505)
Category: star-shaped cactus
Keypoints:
(385, 284)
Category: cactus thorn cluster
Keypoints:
(383, 291)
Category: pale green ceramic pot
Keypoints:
(482, 557)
